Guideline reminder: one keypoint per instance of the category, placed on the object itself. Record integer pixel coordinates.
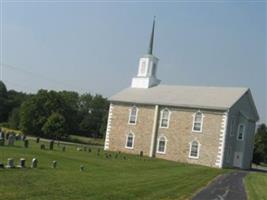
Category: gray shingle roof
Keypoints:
(220, 98)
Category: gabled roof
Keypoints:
(219, 98)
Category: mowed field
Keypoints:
(256, 186)
(102, 178)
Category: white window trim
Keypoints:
(201, 126)
(165, 147)
(127, 135)
(244, 131)
(169, 117)
(130, 113)
(198, 149)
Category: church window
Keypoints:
(241, 132)
(129, 141)
(197, 122)
(162, 143)
(194, 149)
(133, 115)
(165, 118)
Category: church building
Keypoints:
(211, 126)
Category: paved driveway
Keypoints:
(226, 187)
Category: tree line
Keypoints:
(53, 114)
(260, 146)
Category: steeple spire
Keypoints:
(150, 48)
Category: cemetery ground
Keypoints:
(256, 185)
(104, 176)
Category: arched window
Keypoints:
(197, 122)
(162, 143)
(164, 119)
(130, 141)
(194, 149)
(133, 115)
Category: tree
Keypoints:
(14, 118)
(36, 110)
(55, 126)
(3, 103)
(94, 110)
(260, 147)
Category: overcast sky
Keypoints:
(95, 47)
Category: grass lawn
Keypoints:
(256, 186)
(86, 140)
(103, 178)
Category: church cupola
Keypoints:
(146, 76)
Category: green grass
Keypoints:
(256, 185)
(86, 140)
(103, 178)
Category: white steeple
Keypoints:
(146, 76)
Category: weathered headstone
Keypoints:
(2, 138)
(51, 145)
(63, 148)
(24, 137)
(54, 164)
(26, 143)
(89, 150)
(22, 163)
(34, 163)
(42, 146)
(37, 140)
(78, 149)
(10, 163)
(141, 153)
(11, 139)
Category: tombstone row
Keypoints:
(22, 163)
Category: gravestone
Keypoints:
(22, 163)
(79, 149)
(10, 163)
(37, 140)
(64, 149)
(51, 145)
(141, 153)
(42, 146)
(26, 143)
(2, 166)
(2, 138)
(54, 164)
(84, 148)
(11, 139)
(34, 163)
(89, 150)
(7, 135)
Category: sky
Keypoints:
(95, 46)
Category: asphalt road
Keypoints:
(226, 187)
